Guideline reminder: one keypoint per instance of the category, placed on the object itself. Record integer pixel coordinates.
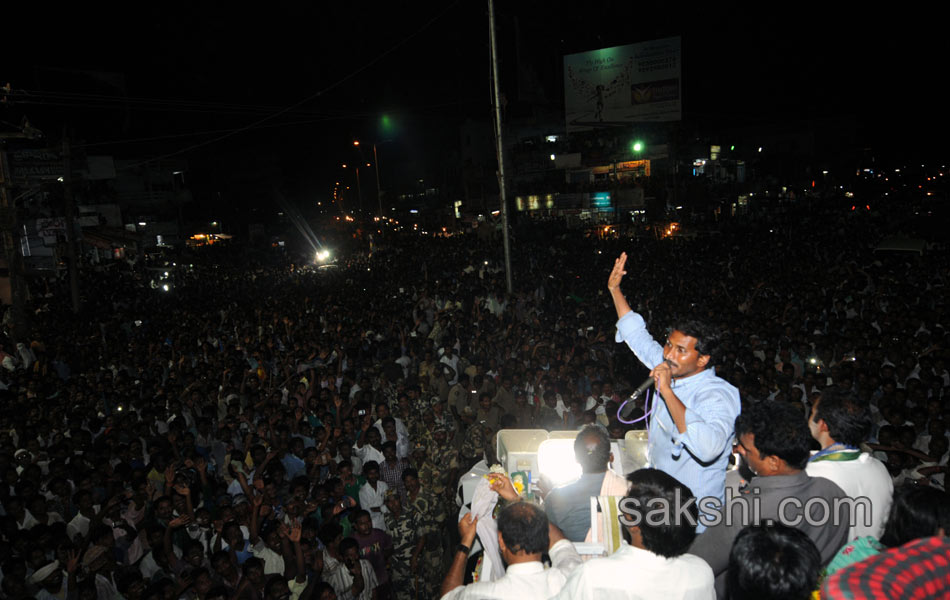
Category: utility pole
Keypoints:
(379, 195)
(359, 190)
(499, 149)
(70, 210)
(8, 232)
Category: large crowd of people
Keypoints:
(265, 429)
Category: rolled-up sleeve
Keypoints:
(564, 556)
(632, 330)
(709, 424)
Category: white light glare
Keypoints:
(556, 461)
(165, 287)
(322, 255)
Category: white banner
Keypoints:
(617, 86)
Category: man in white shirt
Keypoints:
(655, 563)
(840, 423)
(523, 535)
(353, 578)
(449, 358)
(369, 446)
(373, 495)
(382, 412)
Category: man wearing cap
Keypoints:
(442, 416)
(49, 579)
(97, 561)
(460, 394)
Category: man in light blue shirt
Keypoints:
(691, 431)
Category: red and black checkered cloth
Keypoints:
(920, 569)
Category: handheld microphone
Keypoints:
(643, 387)
(647, 384)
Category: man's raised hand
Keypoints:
(613, 282)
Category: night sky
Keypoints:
(168, 78)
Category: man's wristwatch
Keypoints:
(463, 549)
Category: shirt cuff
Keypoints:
(690, 416)
(631, 320)
(563, 554)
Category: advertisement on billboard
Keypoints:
(614, 87)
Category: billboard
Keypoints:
(614, 87)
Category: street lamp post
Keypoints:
(379, 195)
(359, 190)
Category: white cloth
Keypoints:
(632, 573)
(483, 505)
(613, 485)
(342, 581)
(79, 525)
(29, 521)
(148, 567)
(273, 562)
(453, 363)
(370, 499)
(864, 477)
(106, 589)
(525, 581)
(401, 431)
(368, 453)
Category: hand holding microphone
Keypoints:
(660, 375)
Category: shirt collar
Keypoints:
(641, 554)
(779, 481)
(698, 377)
(525, 568)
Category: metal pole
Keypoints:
(70, 210)
(379, 195)
(8, 232)
(498, 145)
(359, 190)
